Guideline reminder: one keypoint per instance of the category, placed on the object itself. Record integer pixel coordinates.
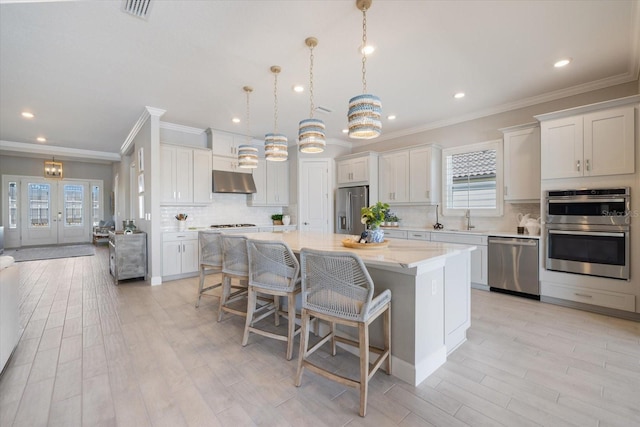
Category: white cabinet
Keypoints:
(354, 170)
(229, 164)
(522, 163)
(272, 184)
(394, 177)
(176, 178)
(425, 168)
(179, 253)
(593, 144)
(582, 294)
(223, 144)
(185, 176)
(479, 257)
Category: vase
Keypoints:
(182, 225)
(286, 220)
(375, 235)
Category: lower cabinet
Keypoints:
(180, 253)
(581, 294)
(479, 264)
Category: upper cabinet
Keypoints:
(224, 147)
(272, 184)
(410, 176)
(186, 175)
(594, 140)
(522, 163)
(356, 169)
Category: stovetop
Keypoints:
(232, 225)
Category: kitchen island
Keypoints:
(430, 302)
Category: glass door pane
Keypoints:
(13, 205)
(95, 205)
(39, 200)
(73, 209)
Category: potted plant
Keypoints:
(277, 219)
(373, 216)
(394, 220)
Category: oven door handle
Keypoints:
(589, 200)
(587, 233)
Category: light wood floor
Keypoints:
(93, 353)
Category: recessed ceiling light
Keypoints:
(298, 88)
(41, 139)
(459, 95)
(235, 120)
(391, 117)
(367, 49)
(27, 115)
(562, 63)
(345, 130)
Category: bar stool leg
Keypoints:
(363, 331)
(251, 307)
(291, 327)
(200, 286)
(304, 337)
(226, 290)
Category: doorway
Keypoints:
(48, 212)
(315, 204)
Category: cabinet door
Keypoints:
(168, 176)
(259, 198)
(522, 164)
(385, 177)
(202, 167)
(171, 258)
(479, 265)
(223, 144)
(278, 183)
(190, 261)
(344, 171)
(360, 169)
(420, 170)
(223, 163)
(401, 177)
(561, 148)
(609, 142)
(184, 175)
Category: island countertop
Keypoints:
(399, 253)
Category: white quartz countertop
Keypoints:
(399, 253)
(456, 231)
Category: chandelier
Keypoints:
(311, 137)
(248, 154)
(275, 144)
(364, 110)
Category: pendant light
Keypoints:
(248, 154)
(364, 110)
(275, 144)
(311, 137)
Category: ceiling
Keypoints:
(87, 69)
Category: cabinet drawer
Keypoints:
(395, 234)
(466, 239)
(173, 236)
(584, 295)
(418, 235)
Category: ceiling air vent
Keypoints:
(137, 8)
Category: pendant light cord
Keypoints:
(275, 102)
(364, 45)
(248, 91)
(311, 81)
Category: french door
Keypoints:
(55, 212)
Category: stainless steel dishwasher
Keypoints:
(514, 266)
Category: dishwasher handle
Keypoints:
(513, 242)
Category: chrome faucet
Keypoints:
(467, 215)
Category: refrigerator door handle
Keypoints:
(349, 211)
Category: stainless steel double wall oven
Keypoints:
(587, 231)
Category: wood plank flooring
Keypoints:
(93, 353)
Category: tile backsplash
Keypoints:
(225, 209)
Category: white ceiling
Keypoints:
(87, 70)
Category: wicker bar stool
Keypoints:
(273, 270)
(337, 288)
(210, 244)
(235, 266)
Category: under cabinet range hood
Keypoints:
(233, 182)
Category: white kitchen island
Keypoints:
(430, 295)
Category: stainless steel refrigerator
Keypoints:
(349, 200)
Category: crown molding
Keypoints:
(181, 128)
(64, 153)
(146, 113)
(527, 102)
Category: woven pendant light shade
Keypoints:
(247, 156)
(311, 136)
(364, 116)
(275, 147)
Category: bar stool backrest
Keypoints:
(234, 259)
(210, 248)
(336, 284)
(272, 265)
